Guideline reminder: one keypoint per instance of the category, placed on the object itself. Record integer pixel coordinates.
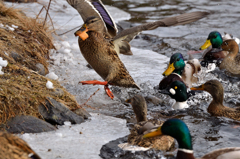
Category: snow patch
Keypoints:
(49, 85)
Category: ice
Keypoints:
(78, 141)
(49, 85)
(52, 75)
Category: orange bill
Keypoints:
(158, 132)
(82, 33)
(198, 88)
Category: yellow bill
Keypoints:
(198, 88)
(158, 132)
(169, 70)
(206, 45)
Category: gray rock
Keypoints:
(41, 69)
(83, 113)
(57, 113)
(16, 56)
(27, 124)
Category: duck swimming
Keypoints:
(216, 107)
(100, 44)
(12, 147)
(181, 71)
(217, 52)
(143, 126)
(177, 129)
(178, 91)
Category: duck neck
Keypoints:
(178, 71)
(233, 53)
(185, 154)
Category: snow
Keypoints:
(52, 76)
(78, 141)
(49, 85)
(3, 63)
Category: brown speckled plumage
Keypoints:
(216, 107)
(12, 147)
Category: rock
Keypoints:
(27, 124)
(57, 113)
(154, 100)
(111, 150)
(16, 56)
(41, 69)
(83, 113)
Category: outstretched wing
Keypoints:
(88, 8)
(171, 21)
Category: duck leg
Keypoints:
(105, 83)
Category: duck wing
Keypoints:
(88, 8)
(186, 18)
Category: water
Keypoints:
(151, 50)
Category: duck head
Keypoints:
(230, 45)
(177, 129)
(214, 39)
(178, 91)
(176, 65)
(214, 87)
(91, 24)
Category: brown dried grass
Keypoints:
(21, 89)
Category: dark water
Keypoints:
(208, 132)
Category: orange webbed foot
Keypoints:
(108, 91)
(94, 82)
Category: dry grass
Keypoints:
(21, 89)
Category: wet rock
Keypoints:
(83, 113)
(16, 56)
(111, 150)
(57, 113)
(27, 124)
(58, 92)
(41, 69)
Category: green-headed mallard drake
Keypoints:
(143, 126)
(178, 91)
(12, 147)
(216, 52)
(181, 71)
(216, 107)
(231, 63)
(177, 129)
(100, 43)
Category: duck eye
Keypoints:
(178, 59)
(175, 87)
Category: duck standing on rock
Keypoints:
(12, 147)
(178, 91)
(177, 129)
(181, 71)
(143, 126)
(100, 43)
(216, 107)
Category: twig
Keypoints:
(68, 31)
(89, 99)
(47, 12)
(40, 12)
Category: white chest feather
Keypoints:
(180, 105)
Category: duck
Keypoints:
(12, 147)
(215, 51)
(177, 129)
(216, 107)
(231, 63)
(178, 91)
(143, 126)
(100, 44)
(180, 70)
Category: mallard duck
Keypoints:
(216, 107)
(231, 63)
(100, 43)
(178, 91)
(215, 50)
(143, 126)
(177, 129)
(181, 71)
(12, 147)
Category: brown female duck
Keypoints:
(216, 107)
(100, 43)
(12, 147)
(231, 63)
(143, 126)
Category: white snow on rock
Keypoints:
(78, 141)
(52, 76)
(3, 63)
(49, 85)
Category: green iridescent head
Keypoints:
(214, 39)
(178, 91)
(176, 65)
(177, 129)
